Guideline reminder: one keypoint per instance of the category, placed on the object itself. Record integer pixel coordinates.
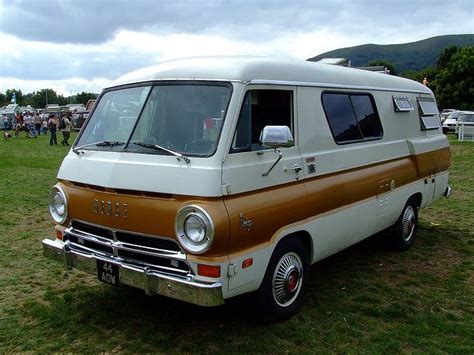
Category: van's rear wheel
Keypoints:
(404, 231)
(281, 293)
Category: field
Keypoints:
(361, 300)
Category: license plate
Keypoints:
(108, 272)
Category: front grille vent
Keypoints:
(157, 254)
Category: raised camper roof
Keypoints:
(265, 70)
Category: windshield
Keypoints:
(184, 118)
(466, 118)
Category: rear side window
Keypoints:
(352, 117)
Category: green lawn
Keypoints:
(361, 300)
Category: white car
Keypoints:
(466, 119)
(449, 124)
(445, 114)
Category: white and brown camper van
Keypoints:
(206, 178)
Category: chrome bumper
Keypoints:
(151, 282)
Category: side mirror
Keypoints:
(276, 137)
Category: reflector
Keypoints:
(209, 270)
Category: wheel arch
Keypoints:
(304, 237)
(418, 196)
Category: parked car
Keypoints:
(465, 119)
(449, 124)
(445, 113)
(78, 120)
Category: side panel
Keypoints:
(344, 221)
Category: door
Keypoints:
(261, 197)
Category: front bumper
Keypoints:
(152, 282)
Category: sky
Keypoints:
(82, 45)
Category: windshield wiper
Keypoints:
(77, 150)
(159, 147)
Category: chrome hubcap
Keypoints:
(287, 279)
(408, 223)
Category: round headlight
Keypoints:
(195, 229)
(58, 205)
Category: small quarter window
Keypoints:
(428, 107)
(402, 104)
(429, 116)
(352, 117)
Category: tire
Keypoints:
(281, 293)
(404, 231)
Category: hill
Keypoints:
(407, 56)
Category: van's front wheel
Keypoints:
(281, 292)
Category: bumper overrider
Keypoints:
(151, 281)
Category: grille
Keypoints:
(138, 250)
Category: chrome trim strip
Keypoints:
(328, 85)
(153, 282)
(151, 81)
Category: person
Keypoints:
(44, 126)
(5, 122)
(65, 126)
(53, 125)
(17, 124)
(425, 81)
(37, 120)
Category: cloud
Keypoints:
(93, 22)
(86, 42)
(127, 51)
(65, 87)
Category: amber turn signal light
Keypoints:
(59, 234)
(209, 270)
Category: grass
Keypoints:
(361, 300)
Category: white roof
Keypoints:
(264, 69)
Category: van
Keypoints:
(207, 178)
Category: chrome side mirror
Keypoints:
(276, 137)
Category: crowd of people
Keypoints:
(35, 124)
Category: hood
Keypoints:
(144, 172)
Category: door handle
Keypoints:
(297, 170)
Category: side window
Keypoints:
(352, 117)
(261, 108)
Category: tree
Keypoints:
(40, 98)
(429, 73)
(83, 97)
(3, 99)
(18, 95)
(454, 83)
(446, 56)
(384, 63)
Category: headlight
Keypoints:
(195, 229)
(58, 205)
